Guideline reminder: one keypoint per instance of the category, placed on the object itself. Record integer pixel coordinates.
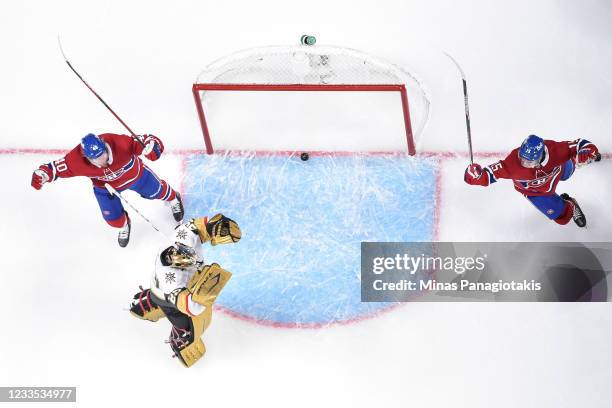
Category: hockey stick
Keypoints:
(118, 194)
(96, 94)
(467, 108)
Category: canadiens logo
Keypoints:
(538, 182)
(542, 179)
(110, 175)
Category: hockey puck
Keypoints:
(598, 157)
(304, 156)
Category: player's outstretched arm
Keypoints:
(46, 173)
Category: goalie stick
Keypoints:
(467, 107)
(96, 94)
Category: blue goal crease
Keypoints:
(303, 221)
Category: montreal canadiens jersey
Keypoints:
(125, 167)
(537, 181)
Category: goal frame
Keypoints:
(198, 88)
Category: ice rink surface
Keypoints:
(532, 68)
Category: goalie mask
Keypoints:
(178, 256)
(182, 254)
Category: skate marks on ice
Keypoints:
(298, 264)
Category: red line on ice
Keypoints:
(270, 323)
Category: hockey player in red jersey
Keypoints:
(114, 159)
(536, 167)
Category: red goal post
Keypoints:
(270, 69)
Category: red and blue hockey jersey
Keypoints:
(124, 168)
(535, 181)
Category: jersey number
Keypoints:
(60, 165)
(496, 166)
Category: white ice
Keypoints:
(539, 67)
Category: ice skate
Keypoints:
(578, 215)
(177, 208)
(124, 234)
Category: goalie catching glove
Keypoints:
(218, 230)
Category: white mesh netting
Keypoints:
(353, 121)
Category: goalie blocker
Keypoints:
(183, 289)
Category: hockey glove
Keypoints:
(587, 154)
(153, 147)
(219, 230)
(41, 176)
(473, 174)
(223, 230)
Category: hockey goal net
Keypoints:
(309, 98)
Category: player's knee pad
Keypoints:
(143, 306)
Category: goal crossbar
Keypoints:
(400, 88)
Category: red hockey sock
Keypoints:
(567, 214)
(167, 193)
(119, 222)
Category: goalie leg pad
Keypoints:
(191, 353)
(144, 307)
(185, 335)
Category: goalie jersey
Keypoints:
(168, 282)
